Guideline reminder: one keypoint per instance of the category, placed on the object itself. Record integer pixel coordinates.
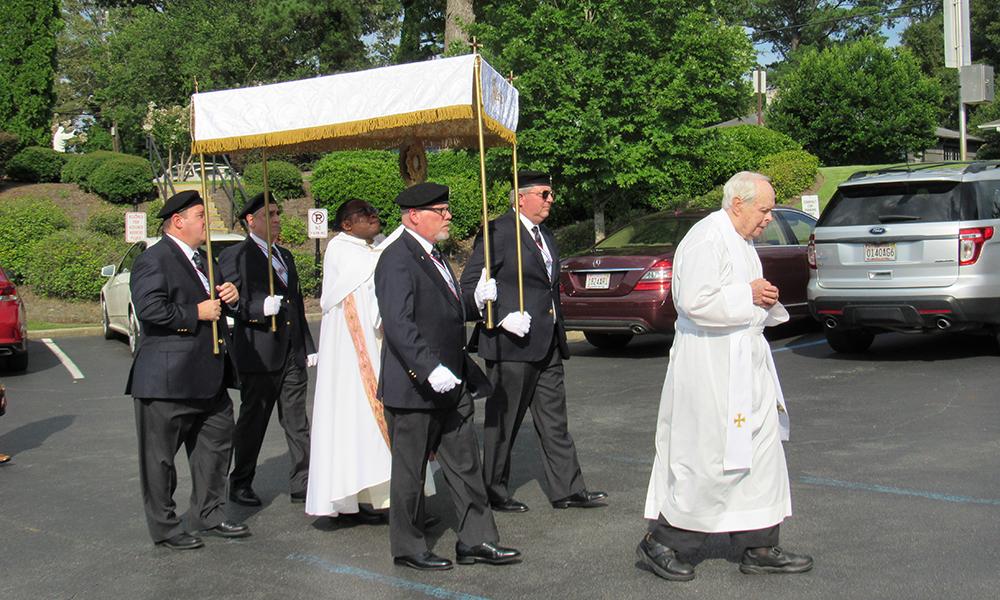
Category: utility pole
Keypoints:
(958, 54)
(759, 90)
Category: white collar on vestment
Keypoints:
(427, 246)
(187, 250)
(347, 238)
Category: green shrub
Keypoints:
(22, 222)
(153, 222)
(294, 231)
(9, 144)
(122, 180)
(791, 172)
(78, 167)
(310, 275)
(710, 200)
(730, 150)
(109, 221)
(283, 178)
(36, 164)
(66, 264)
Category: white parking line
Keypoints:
(802, 345)
(63, 358)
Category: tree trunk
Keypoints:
(599, 231)
(458, 13)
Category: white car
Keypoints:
(117, 314)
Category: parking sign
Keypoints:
(135, 226)
(317, 223)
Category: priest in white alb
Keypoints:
(719, 464)
(349, 473)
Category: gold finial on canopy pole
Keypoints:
(517, 220)
(267, 233)
(477, 76)
(208, 249)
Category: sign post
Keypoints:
(318, 229)
(958, 53)
(135, 227)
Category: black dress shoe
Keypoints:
(182, 541)
(487, 552)
(662, 560)
(427, 561)
(775, 561)
(582, 499)
(365, 517)
(509, 505)
(244, 496)
(296, 497)
(228, 530)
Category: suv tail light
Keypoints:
(811, 251)
(970, 243)
(7, 292)
(657, 278)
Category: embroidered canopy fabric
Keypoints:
(432, 102)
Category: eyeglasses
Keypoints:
(367, 211)
(440, 210)
(547, 195)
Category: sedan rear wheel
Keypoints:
(608, 341)
(849, 341)
(133, 333)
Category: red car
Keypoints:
(620, 288)
(13, 326)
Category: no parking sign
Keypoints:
(317, 223)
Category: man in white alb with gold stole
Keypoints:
(350, 444)
(719, 465)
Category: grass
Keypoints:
(834, 176)
(42, 325)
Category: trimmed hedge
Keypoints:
(283, 178)
(790, 172)
(108, 221)
(310, 276)
(741, 148)
(294, 231)
(9, 143)
(79, 166)
(374, 176)
(66, 264)
(22, 222)
(122, 180)
(36, 164)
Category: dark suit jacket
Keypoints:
(540, 293)
(255, 348)
(174, 360)
(424, 326)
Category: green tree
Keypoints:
(28, 30)
(422, 32)
(859, 103)
(614, 94)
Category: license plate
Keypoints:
(598, 281)
(880, 252)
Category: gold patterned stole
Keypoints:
(368, 378)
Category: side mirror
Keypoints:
(108, 271)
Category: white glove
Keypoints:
(517, 323)
(442, 379)
(312, 359)
(272, 304)
(486, 290)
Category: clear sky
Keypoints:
(893, 35)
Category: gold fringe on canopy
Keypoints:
(445, 127)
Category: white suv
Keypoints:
(913, 249)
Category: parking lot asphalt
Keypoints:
(893, 462)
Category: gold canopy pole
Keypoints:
(208, 248)
(477, 75)
(517, 222)
(267, 233)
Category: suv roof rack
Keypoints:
(972, 166)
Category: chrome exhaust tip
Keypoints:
(830, 323)
(943, 324)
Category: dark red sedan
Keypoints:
(620, 288)
(13, 326)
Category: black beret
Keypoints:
(422, 194)
(179, 202)
(254, 204)
(532, 178)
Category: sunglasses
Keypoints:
(546, 195)
(367, 211)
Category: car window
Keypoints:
(130, 256)
(772, 235)
(922, 201)
(801, 226)
(987, 195)
(653, 230)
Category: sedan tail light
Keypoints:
(811, 251)
(657, 278)
(7, 292)
(970, 243)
